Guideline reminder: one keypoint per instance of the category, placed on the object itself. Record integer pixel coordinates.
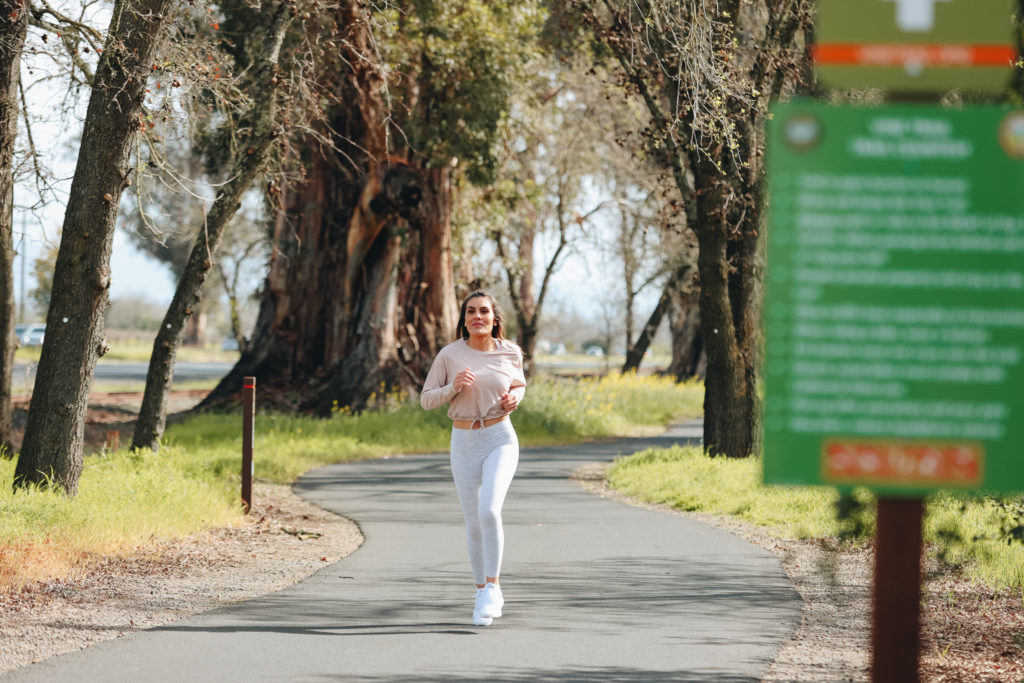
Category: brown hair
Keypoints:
(498, 331)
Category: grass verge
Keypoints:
(124, 501)
(139, 351)
(127, 500)
(963, 532)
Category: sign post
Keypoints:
(896, 600)
(894, 320)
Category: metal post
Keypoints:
(248, 467)
(21, 252)
(895, 642)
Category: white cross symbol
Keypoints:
(916, 16)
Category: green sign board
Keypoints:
(915, 45)
(894, 309)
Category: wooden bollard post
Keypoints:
(895, 639)
(113, 441)
(248, 427)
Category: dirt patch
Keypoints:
(110, 417)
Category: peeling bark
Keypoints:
(359, 296)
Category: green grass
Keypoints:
(553, 412)
(128, 500)
(966, 533)
(616, 405)
(286, 446)
(613, 360)
(962, 531)
(124, 502)
(687, 479)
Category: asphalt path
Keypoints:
(596, 590)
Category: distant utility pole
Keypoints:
(21, 253)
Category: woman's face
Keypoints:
(479, 316)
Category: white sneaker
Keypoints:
(491, 603)
(478, 616)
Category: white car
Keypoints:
(30, 335)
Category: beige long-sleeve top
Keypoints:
(498, 372)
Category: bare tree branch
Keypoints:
(37, 170)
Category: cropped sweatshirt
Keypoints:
(498, 372)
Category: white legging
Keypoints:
(483, 463)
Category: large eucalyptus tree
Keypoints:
(360, 295)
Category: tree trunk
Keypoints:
(51, 452)
(688, 357)
(519, 274)
(195, 324)
(359, 296)
(637, 350)
(728, 317)
(250, 160)
(426, 292)
(234, 312)
(314, 350)
(527, 301)
(527, 340)
(13, 26)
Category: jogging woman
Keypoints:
(481, 374)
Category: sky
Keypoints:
(132, 272)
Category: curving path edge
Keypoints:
(595, 591)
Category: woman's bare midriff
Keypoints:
(477, 424)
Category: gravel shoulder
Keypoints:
(968, 632)
(282, 541)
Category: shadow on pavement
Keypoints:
(580, 675)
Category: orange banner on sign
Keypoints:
(900, 462)
(902, 54)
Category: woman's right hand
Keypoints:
(466, 378)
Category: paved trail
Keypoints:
(596, 591)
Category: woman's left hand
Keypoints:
(509, 403)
